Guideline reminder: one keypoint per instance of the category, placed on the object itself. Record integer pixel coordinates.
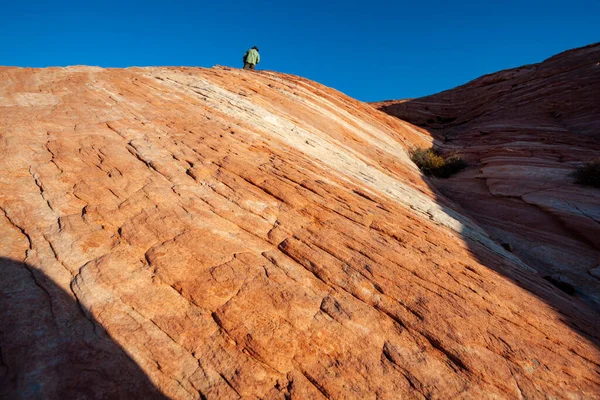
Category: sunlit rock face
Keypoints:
(216, 233)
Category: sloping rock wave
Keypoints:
(218, 233)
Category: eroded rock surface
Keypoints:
(226, 234)
(524, 131)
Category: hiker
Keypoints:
(251, 58)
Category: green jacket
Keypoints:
(252, 57)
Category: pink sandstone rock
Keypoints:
(217, 233)
(524, 131)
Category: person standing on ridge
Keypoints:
(251, 58)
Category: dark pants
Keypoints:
(248, 66)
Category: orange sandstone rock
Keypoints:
(524, 131)
(213, 233)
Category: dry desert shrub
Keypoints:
(434, 164)
(588, 174)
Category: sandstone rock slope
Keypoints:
(525, 130)
(223, 234)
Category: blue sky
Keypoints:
(371, 50)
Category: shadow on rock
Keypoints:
(501, 123)
(52, 348)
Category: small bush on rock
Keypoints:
(433, 164)
(588, 174)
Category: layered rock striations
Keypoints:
(215, 233)
(525, 131)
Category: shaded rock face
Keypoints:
(192, 233)
(524, 131)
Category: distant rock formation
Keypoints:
(218, 233)
(525, 130)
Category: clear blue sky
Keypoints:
(371, 50)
